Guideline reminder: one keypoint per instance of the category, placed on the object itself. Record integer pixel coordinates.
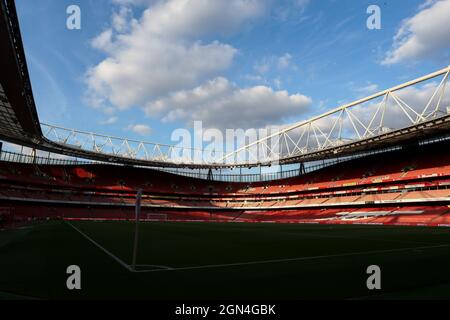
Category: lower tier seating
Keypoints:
(417, 215)
(402, 187)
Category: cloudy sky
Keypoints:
(142, 68)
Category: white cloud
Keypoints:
(110, 120)
(199, 17)
(221, 104)
(152, 68)
(426, 4)
(158, 62)
(122, 20)
(160, 53)
(103, 41)
(140, 129)
(426, 34)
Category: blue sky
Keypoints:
(142, 68)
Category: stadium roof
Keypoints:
(19, 122)
(339, 132)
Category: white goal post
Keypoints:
(148, 217)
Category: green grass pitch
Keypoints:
(224, 261)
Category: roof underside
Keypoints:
(19, 122)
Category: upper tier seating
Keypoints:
(373, 170)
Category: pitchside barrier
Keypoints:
(9, 218)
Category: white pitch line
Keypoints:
(123, 264)
(155, 266)
(291, 259)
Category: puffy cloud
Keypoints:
(221, 104)
(423, 35)
(140, 129)
(121, 20)
(199, 17)
(159, 63)
(158, 54)
(150, 69)
(103, 41)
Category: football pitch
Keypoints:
(223, 261)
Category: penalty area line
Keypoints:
(123, 264)
(153, 266)
(211, 266)
(118, 260)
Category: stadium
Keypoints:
(366, 183)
